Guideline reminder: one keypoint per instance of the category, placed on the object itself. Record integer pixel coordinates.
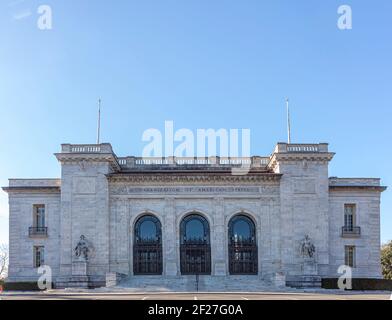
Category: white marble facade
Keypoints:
(287, 195)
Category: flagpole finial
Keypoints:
(288, 122)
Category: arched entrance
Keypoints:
(147, 247)
(242, 245)
(195, 247)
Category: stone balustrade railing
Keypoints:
(87, 148)
(138, 162)
(254, 161)
(301, 148)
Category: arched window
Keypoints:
(242, 245)
(147, 247)
(195, 248)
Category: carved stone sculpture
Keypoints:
(82, 249)
(307, 248)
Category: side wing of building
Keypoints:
(34, 227)
(354, 227)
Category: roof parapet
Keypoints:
(88, 152)
(35, 182)
(87, 148)
(282, 147)
(362, 183)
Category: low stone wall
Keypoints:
(21, 286)
(359, 284)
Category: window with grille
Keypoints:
(350, 256)
(38, 256)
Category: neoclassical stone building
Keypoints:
(165, 220)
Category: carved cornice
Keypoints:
(151, 178)
(354, 187)
(77, 158)
(32, 189)
(322, 157)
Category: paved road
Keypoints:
(194, 296)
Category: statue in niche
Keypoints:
(82, 249)
(307, 248)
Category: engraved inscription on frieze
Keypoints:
(177, 190)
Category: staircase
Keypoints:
(206, 283)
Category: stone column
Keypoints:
(170, 245)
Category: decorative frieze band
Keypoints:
(193, 178)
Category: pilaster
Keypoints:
(219, 243)
(171, 256)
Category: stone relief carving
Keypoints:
(307, 248)
(84, 185)
(82, 164)
(304, 185)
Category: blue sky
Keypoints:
(202, 64)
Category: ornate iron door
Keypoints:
(195, 257)
(243, 258)
(147, 248)
(147, 258)
(195, 248)
(242, 245)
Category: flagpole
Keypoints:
(288, 122)
(99, 121)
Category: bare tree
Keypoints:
(3, 261)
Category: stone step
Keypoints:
(188, 283)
